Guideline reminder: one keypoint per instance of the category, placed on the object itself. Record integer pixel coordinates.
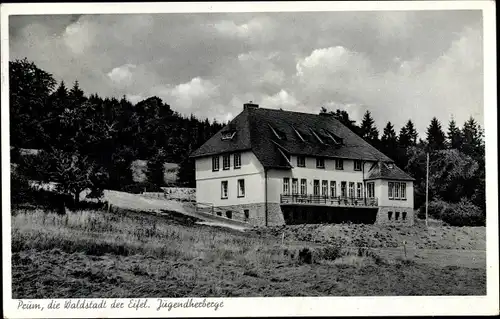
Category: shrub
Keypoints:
(330, 252)
(138, 188)
(464, 213)
(305, 256)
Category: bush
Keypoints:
(305, 256)
(464, 213)
(436, 209)
(330, 252)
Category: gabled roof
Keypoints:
(322, 136)
(381, 170)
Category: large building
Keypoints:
(275, 167)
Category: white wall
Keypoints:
(310, 172)
(382, 193)
(208, 183)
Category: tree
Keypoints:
(368, 131)
(435, 136)
(472, 139)
(156, 168)
(30, 88)
(343, 117)
(408, 135)
(454, 135)
(389, 141)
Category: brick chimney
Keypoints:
(250, 105)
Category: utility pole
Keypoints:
(427, 193)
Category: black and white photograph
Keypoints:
(216, 159)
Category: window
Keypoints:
(333, 189)
(295, 186)
(303, 186)
(229, 214)
(324, 188)
(316, 187)
(226, 162)
(359, 190)
(396, 216)
(339, 164)
(357, 165)
(404, 216)
(391, 190)
(215, 163)
(403, 192)
(389, 215)
(301, 161)
(343, 190)
(241, 188)
(286, 186)
(351, 189)
(223, 190)
(396, 190)
(370, 188)
(247, 214)
(320, 162)
(237, 160)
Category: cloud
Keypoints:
(122, 75)
(399, 65)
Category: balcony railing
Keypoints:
(328, 200)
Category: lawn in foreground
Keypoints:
(99, 254)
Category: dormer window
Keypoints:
(298, 134)
(279, 135)
(228, 135)
(317, 137)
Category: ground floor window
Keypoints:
(295, 186)
(404, 216)
(241, 188)
(359, 190)
(397, 216)
(351, 189)
(333, 189)
(389, 215)
(316, 187)
(303, 186)
(370, 188)
(324, 188)
(223, 186)
(286, 186)
(229, 214)
(343, 189)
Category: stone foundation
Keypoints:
(388, 215)
(256, 213)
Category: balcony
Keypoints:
(297, 199)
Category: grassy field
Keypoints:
(130, 254)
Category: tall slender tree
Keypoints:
(454, 135)
(368, 131)
(435, 136)
(389, 141)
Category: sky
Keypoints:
(399, 65)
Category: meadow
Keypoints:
(95, 253)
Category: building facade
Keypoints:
(275, 167)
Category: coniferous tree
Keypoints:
(408, 135)
(435, 136)
(368, 131)
(389, 141)
(472, 139)
(454, 135)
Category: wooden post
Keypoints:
(282, 238)
(427, 194)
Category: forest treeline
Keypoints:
(89, 142)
